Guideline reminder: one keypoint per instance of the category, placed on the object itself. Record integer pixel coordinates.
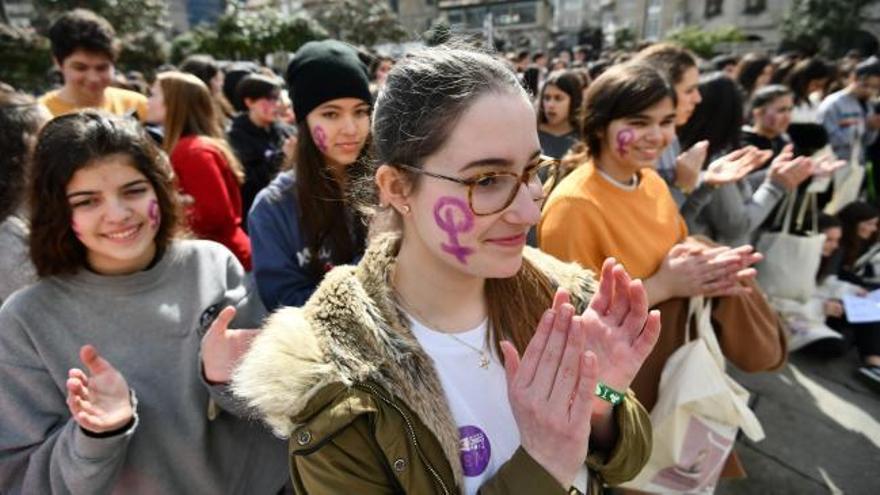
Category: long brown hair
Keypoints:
(190, 111)
(423, 98)
(323, 205)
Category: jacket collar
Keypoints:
(352, 332)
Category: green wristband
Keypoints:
(608, 394)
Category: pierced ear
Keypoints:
(394, 187)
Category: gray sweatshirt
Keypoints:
(736, 211)
(149, 326)
(840, 106)
(16, 270)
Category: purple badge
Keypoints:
(475, 450)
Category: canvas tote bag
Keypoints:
(698, 413)
(848, 180)
(788, 270)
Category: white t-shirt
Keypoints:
(477, 398)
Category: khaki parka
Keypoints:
(346, 381)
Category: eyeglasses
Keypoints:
(491, 192)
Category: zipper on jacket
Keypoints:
(412, 433)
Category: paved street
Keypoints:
(823, 431)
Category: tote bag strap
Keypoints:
(810, 202)
(784, 214)
(699, 310)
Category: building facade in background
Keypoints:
(417, 16)
(515, 24)
(759, 20)
(17, 13)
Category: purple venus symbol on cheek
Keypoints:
(153, 213)
(454, 216)
(624, 138)
(320, 138)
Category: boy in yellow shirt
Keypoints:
(84, 47)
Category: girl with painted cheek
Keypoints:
(615, 203)
(771, 108)
(480, 356)
(559, 112)
(773, 119)
(119, 332)
(302, 224)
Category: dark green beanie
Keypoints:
(325, 70)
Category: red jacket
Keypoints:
(203, 173)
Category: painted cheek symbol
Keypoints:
(320, 137)
(624, 138)
(75, 228)
(445, 212)
(153, 213)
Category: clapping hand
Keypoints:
(551, 389)
(222, 348)
(735, 165)
(99, 401)
(789, 171)
(827, 165)
(620, 330)
(689, 164)
(694, 269)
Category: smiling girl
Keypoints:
(301, 225)
(113, 372)
(615, 203)
(403, 374)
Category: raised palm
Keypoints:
(619, 329)
(734, 166)
(100, 401)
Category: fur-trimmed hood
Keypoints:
(351, 332)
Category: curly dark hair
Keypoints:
(74, 141)
(82, 29)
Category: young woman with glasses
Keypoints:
(443, 362)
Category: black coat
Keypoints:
(260, 152)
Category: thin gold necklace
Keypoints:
(483, 353)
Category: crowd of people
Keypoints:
(456, 272)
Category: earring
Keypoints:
(406, 209)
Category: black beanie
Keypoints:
(325, 70)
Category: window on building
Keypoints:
(515, 13)
(755, 6)
(713, 8)
(652, 21)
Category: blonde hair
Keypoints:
(190, 110)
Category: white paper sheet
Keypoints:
(862, 309)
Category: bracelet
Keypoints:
(608, 394)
